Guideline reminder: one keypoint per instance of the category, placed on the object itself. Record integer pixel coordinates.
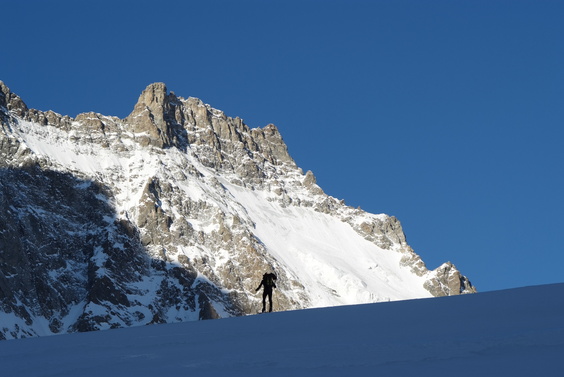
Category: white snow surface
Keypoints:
(518, 332)
(336, 266)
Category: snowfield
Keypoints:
(518, 332)
(335, 265)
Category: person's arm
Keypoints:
(259, 286)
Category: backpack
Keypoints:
(269, 280)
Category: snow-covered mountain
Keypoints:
(173, 214)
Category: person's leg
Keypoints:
(264, 300)
(270, 300)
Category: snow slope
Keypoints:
(334, 264)
(518, 332)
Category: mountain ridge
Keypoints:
(187, 199)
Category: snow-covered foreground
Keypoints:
(518, 332)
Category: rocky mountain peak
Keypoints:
(153, 97)
(10, 101)
(154, 118)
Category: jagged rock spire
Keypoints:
(154, 115)
(3, 93)
(11, 101)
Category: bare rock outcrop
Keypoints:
(446, 280)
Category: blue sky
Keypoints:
(448, 115)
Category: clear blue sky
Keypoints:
(448, 115)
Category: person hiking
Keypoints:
(268, 282)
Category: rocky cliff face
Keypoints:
(173, 214)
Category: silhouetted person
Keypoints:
(268, 282)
